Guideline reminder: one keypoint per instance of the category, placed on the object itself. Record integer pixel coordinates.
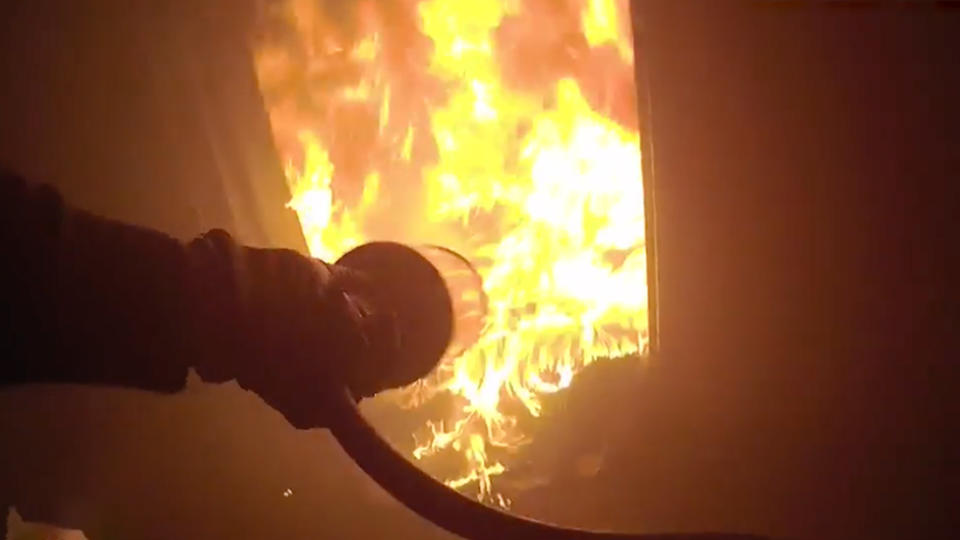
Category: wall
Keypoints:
(806, 160)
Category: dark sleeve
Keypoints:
(89, 300)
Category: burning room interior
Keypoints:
(692, 289)
(423, 122)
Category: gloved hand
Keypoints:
(285, 327)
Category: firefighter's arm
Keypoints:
(89, 300)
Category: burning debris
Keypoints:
(504, 129)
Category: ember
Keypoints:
(503, 129)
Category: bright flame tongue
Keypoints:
(522, 174)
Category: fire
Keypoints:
(504, 129)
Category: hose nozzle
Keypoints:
(434, 295)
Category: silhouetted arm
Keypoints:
(89, 300)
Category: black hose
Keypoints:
(448, 509)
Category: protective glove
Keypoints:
(288, 327)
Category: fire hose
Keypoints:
(433, 295)
(447, 508)
(376, 457)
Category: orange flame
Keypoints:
(503, 129)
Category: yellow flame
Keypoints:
(603, 24)
(538, 188)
